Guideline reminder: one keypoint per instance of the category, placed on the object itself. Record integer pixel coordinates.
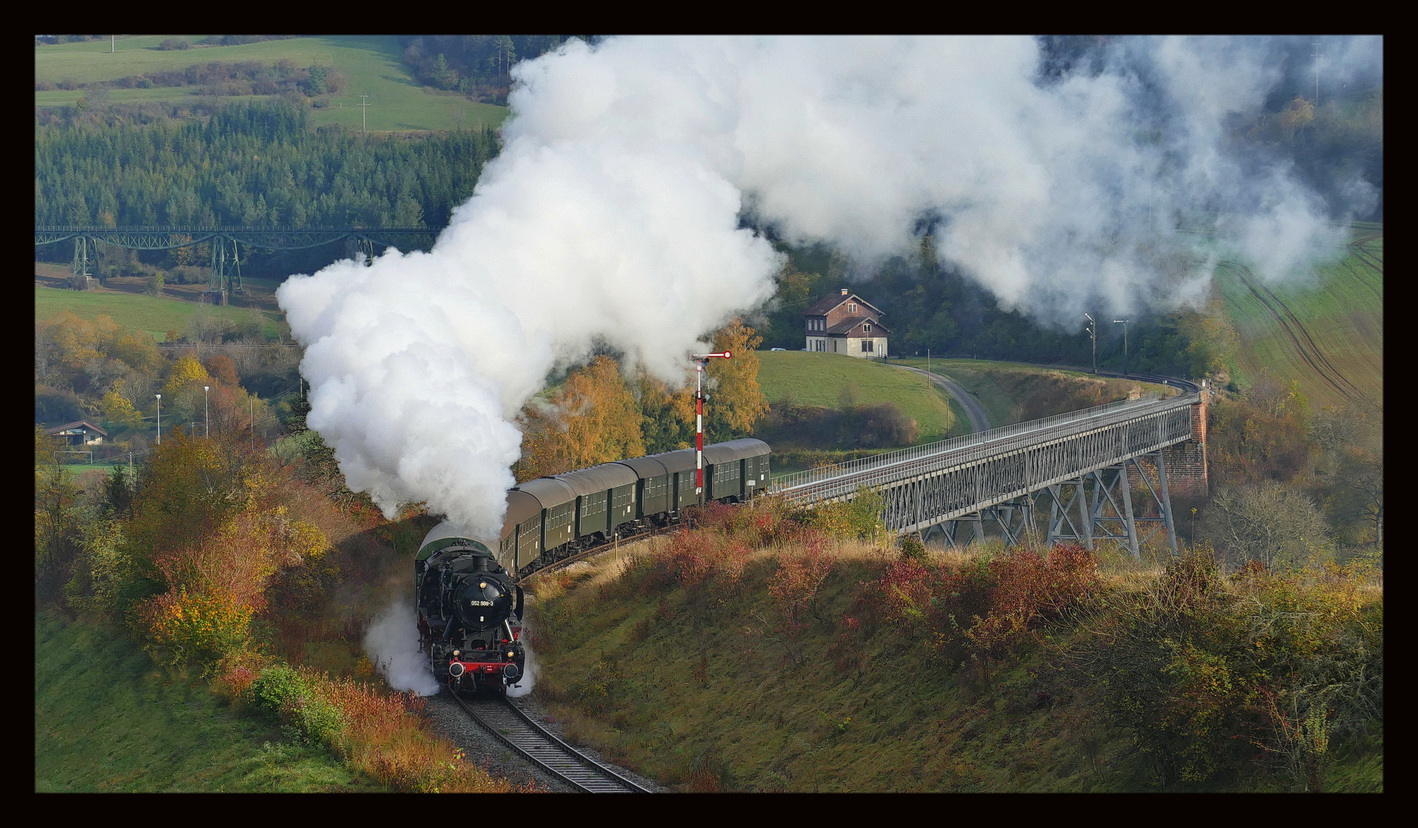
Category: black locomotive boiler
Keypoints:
(469, 603)
(469, 613)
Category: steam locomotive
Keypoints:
(469, 613)
(469, 603)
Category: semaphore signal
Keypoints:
(701, 361)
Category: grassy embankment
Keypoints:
(709, 689)
(1015, 393)
(370, 63)
(108, 721)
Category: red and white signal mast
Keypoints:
(703, 360)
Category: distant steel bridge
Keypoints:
(1086, 464)
(227, 244)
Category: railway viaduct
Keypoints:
(1087, 466)
(226, 245)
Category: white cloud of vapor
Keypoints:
(612, 215)
(392, 645)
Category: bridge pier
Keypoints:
(81, 268)
(226, 271)
(1098, 506)
(1014, 520)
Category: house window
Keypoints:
(866, 328)
(851, 307)
(866, 345)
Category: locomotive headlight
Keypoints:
(511, 654)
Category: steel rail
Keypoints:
(528, 739)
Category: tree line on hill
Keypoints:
(250, 165)
(479, 66)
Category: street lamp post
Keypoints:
(206, 412)
(1092, 328)
(159, 396)
(703, 360)
(1125, 344)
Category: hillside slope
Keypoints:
(1325, 334)
(379, 95)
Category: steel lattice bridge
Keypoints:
(228, 243)
(1083, 463)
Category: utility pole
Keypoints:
(1317, 77)
(703, 360)
(1092, 328)
(206, 412)
(363, 116)
(159, 396)
(1125, 344)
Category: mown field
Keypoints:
(837, 381)
(156, 315)
(370, 64)
(1324, 333)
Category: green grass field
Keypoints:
(370, 64)
(832, 380)
(153, 314)
(108, 721)
(1326, 334)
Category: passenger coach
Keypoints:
(565, 513)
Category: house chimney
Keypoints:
(844, 291)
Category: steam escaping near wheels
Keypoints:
(392, 644)
(528, 681)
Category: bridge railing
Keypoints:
(812, 476)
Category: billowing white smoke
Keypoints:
(612, 215)
(392, 644)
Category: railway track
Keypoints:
(521, 734)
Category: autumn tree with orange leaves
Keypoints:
(598, 416)
(592, 418)
(736, 402)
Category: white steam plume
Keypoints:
(392, 643)
(613, 215)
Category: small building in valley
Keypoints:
(78, 433)
(844, 323)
